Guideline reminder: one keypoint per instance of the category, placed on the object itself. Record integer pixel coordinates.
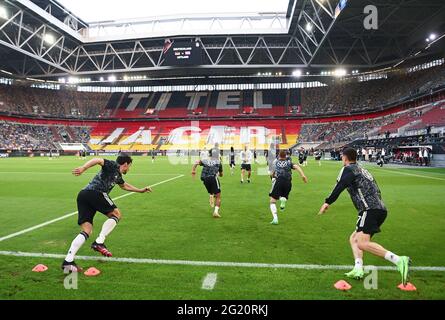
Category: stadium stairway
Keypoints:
(157, 137)
(71, 134)
(56, 134)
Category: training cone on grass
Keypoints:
(92, 272)
(342, 285)
(409, 287)
(40, 268)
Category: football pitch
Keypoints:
(168, 246)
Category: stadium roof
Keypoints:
(111, 20)
(109, 10)
(43, 39)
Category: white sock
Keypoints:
(108, 226)
(273, 209)
(359, 263)
(216, 209)
(75, 246)
(392, 257)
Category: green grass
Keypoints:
(175, 223)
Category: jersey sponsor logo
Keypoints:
(212, 163)
(282, 164)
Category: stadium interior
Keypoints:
(312, 76)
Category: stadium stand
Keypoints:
(27, 136)
(347, 98)
(166, 135)
(21, 100)
(339, 98)
(345, 131)
(331, 115)
(215, 104)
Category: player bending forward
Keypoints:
(212, 168)
(95, 197)
(366, 197)
(282, 182)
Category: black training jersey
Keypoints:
(283, 169)
(106, 178)
(232, 156)
(211, 168)
(362, 187)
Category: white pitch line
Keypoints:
(12, 235)
(209, 263)
(209, 281)
(412, 174)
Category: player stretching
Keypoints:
(209, 176)
(366, 197)
(282, 182)
(232, 160)
(246, 165)
(95, 197)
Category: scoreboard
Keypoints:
(181, 53)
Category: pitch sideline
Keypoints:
(209, 263)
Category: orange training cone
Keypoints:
(40, 268)
(342, 285)
(92, 272)
(409, 287)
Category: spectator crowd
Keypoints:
(55, 103)
(346, 97)
(19, 136)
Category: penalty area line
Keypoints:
(15, 234)
(209, 263)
